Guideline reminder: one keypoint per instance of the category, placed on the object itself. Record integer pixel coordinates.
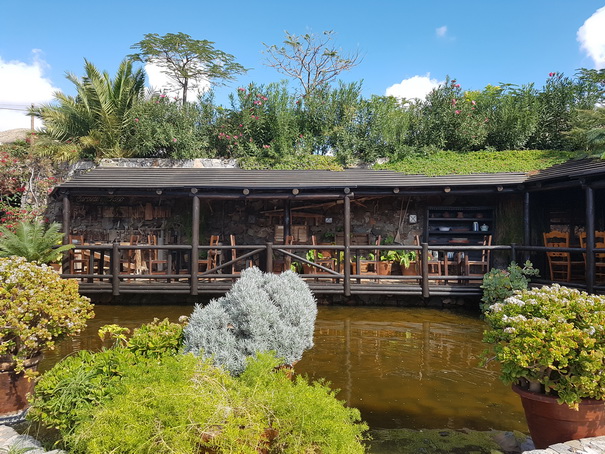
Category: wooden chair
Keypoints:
(325, 260)
(210, 261)
(282, 264)
(559, 263)
(599, 239)
(156, 263)
(435, 264)
(79, 260)
(236, 266)
(471, 266)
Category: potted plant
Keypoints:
(407, 261)
(37, 309)
(550, 342)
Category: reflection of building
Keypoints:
(354, 216)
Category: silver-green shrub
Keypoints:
(262, 312)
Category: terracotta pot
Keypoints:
(384, 268)
(410, 270)
(550, 422)
(15, 387)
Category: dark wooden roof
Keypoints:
(570, 170)
(222, 178)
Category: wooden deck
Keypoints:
(105, 271)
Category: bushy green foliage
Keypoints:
(262, 312)
(552, 338)
(65, 395)
(37, 309)
(115, 401)
(34, 241)
(499, 284)
(160, 127)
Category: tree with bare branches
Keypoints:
(313, 60)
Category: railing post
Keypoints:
(590, 243)
(195, 244)
(425, 270)
(115, 270)
(513, 252)
(67, 255)
(347, 245)
(269, 259)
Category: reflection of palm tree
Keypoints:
(97, 115)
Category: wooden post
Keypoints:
(287, 220)
(425, 270)
(347, 245)
(590, 226)
(66, 229)
(526, 223)
(115, 270)
(269, 261)
(195, 244)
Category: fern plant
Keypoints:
(262, 312)
(33, 241)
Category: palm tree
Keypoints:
(97, 116)
(33, 241)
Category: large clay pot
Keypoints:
(550, 422)
(14, 388)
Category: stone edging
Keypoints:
(594, 445)
(9, 438)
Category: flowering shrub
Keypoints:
(500, 284)
(550, 340)
(37, 309)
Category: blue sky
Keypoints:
(412, 43)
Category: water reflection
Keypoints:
(402, 367)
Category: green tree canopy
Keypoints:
(187, 61)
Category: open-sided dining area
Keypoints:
(358, 232)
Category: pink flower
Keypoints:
(228, 137)
(454, 81)
(266, 146)
(551, 74)
(174, 139)
(136, 120)
(457, 85)
(241, 89)
(162, 96)
(454, 102)
(240, 125)
(473, 103)
(458, 112)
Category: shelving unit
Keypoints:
(458, 225)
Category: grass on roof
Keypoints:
(462, 163)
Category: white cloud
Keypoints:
(21, 85)
(414, 87)
(591, 36)
(159, 81)
(441, 31)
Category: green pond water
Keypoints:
(412, 368)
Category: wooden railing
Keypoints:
(105, 271)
